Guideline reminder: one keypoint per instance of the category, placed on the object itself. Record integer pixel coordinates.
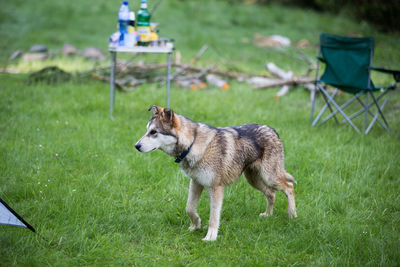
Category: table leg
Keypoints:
(168, 78)
(113, 56)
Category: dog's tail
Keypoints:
(290, 178)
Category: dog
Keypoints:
(216, 157)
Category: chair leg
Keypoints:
(327, 105)
(342, 107)
(329, 100)
(379, 108)
(366, 110)
(330, 103)
(369, 111)
(313, 95)
(314, 92)
(343, 114)
(379, 112)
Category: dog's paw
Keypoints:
(265, 214)
(194, 227)
(293, 215)
(211, 235)
(209, 239)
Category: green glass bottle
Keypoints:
(143, 24)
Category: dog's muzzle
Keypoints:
(138, 146)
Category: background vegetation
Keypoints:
(383, 14)
(74, 175)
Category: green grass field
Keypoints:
(95, 201)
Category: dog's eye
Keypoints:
(153, 132)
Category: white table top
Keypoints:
(168, 48)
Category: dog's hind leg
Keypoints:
(288, 190)
(195, 191)
(270, 195)
(277, 178)
(254, 179)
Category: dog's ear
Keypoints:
(167, 115)
(157, 110)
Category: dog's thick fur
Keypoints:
(217, 157)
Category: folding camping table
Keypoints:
(113, 49)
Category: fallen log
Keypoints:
(193, 85)
(257, 81)
(284, 90)
(293, 81)
(104, 79)
(181, 70)
(232, 75)
(199, 54)
(309, 86)
(197, 75)
(11, 71)
(217, 82)
(271, 67)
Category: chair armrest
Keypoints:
(395, 73)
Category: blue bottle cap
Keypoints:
(125, 3)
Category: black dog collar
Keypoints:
(184, 153)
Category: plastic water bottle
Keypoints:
(130, 39)
(132, 20)
(123, 19)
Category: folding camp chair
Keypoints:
(348, 68)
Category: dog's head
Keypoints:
(161, 131)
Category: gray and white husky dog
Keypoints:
(215, 157)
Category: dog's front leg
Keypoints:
(195, 190)
(216, 197)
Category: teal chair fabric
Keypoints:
(347, 62)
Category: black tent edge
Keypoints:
(19, 217)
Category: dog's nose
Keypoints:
(137, 146)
